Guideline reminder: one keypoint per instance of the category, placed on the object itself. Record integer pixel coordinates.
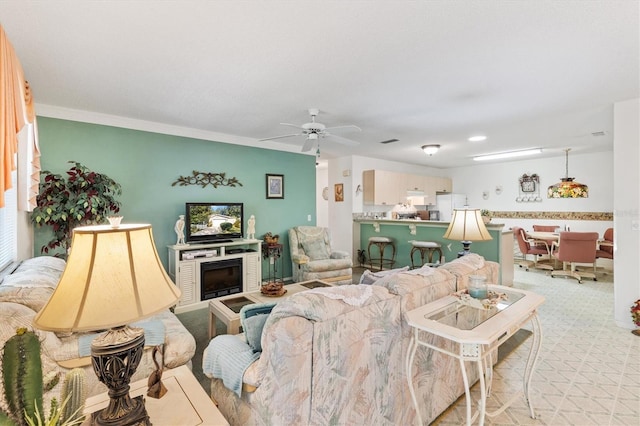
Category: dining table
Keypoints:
(548, 238)
(543, 236)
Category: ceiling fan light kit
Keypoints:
(314, 131)
(430, 149)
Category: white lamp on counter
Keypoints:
(467, 226)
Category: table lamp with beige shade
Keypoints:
(467, 226)
(113, 277)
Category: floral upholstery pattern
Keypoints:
(325, 361)
(313, 259)
(472, 264)
(21, 298)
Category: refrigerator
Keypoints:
(447, 202)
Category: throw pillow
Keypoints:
(252, 319)
(316, 249)
(369, 277)
(253, 331)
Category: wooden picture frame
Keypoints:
(275, 186)
(339, 192)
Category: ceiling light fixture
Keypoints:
(478, 138)
(509, 154)
(430, 149)
(567, 188)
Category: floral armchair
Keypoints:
(313, 259)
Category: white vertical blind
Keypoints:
(9, 226)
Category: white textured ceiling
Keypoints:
(525, 73)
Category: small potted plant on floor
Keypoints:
(635, 315)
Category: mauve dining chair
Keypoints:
(573, 248)
(528, 247)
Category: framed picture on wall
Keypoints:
(275, 186)
(339, 192)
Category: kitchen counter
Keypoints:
(499, 249)
(490, 225)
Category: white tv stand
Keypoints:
(184, 267)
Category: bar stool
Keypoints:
(428, 247)
(382, 243)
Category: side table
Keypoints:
(477, 333)
(185, 402)
(273, 252)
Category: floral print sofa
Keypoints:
(25, 291)
(337, 356)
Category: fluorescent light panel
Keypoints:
(510, 154)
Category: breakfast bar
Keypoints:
(499, 249)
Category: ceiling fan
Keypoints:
(314, 131)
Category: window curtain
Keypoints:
(16, 110)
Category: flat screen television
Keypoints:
(213, 222)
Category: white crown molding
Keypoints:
(53, 111)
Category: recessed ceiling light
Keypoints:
(509, 154)
(478, 138)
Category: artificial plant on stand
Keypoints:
(84, 197)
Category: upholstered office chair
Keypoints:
(605, 245)
(527, 247)
(576, 247)
(313, 259)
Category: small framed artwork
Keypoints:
(339, 192)
(275, 186)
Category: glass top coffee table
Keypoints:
(477, 333)
(227, 308)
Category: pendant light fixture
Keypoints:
(567, 188)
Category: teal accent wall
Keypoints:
(146, 164)
(490, 250)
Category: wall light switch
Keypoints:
(635, 225)
(346, 173)
(308, 218)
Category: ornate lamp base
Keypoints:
(115, 355)
(466, 248)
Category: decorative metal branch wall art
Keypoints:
(203, 179)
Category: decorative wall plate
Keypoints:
(325, 192)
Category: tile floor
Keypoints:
(588, 372)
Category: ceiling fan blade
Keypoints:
(308, 144)
(342, 140)
(280, 137)
(350, 127)
(292, 125)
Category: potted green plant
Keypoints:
(486, 215)
(84, 197)
(635, 316)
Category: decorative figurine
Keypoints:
(251, 228)
(156, 388)
(179, 228)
